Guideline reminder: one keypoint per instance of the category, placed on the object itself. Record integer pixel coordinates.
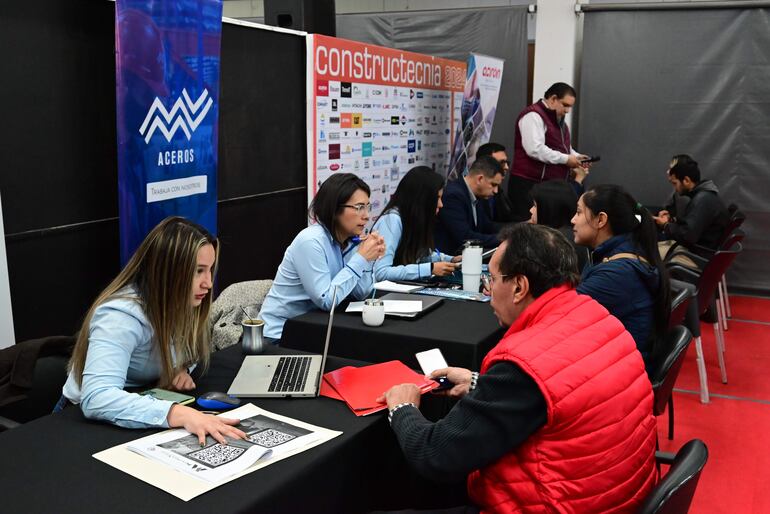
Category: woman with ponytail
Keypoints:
(625, 274)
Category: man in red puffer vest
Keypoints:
(560, 417)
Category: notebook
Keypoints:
(283, 375)
(428, 304)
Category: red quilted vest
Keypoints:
(596, 452)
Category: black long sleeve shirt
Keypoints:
(500, 414)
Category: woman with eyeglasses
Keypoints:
(625, 274)
(407, 224)
(325, 255)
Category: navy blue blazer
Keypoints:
(455, 221)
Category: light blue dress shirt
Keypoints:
(120, 354)
(390, 227)
(313, 264)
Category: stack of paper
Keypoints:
(391, 306)
(359, 388)
(394, 287)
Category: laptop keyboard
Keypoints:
(290, 375)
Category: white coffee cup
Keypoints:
(373, 313)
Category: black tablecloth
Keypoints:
(464, 331)
(46, 465)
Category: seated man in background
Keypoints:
(676, 203)
(705, 217)
(499, 205)
(560, 416)
(464, 217)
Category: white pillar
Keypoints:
(558, 38)
(7, 337)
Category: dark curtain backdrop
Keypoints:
(453, 34)
(58, 177)
(659, 83)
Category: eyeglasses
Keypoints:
(488, 279)
(360, 207)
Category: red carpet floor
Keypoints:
(736, 424)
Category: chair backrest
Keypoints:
(681, 295)
(666, 364)
(736, 236)
(737, 217)
(674, 492)
(712, 274)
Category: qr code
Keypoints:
(270, 437)
(217, 454)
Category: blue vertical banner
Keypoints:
(167, 65)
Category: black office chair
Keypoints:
(684, 311)
(32, 374)
(675, 491)
(664, 369)
(707, 283)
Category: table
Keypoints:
(46, 464)
(464, 331)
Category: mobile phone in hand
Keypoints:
(430, 361)
(593, 158)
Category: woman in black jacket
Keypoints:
(626, 274)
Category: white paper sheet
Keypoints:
(393, 287)
(187, 487)
(391, 306)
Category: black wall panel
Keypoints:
(58, 173)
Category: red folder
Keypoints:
(360, 387)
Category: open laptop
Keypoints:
(274, 376)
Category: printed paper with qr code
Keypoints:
(266, 437)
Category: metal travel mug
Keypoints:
(253, 340)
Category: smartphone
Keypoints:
(593, 158)
(430, 361)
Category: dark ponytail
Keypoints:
(626, 216)
(415, 199)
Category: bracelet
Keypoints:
(394, 409)
(474, 380)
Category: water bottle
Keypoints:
(472, 266)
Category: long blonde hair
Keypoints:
(162, 271)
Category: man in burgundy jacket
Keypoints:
(559, 419)
(543, 149)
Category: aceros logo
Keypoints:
(347, 89)
(183, 110)
(334, 151)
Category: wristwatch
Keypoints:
(399, 406)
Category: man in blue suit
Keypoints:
(464, 215)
